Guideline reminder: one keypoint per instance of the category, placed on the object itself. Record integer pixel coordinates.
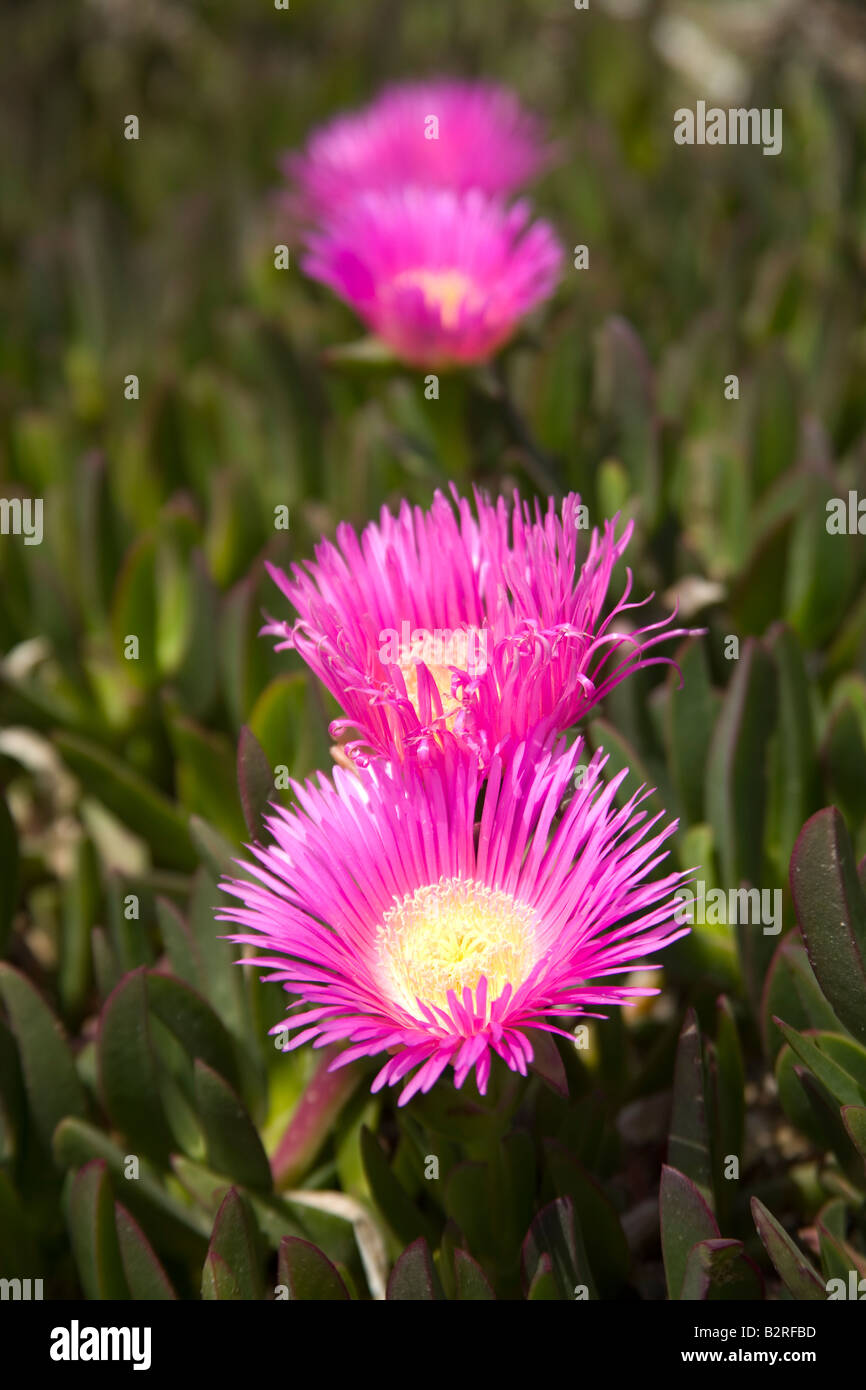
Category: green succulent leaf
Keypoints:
(193, 1022)
(686, 1220)
(413, 1276)
(173, 1224)
(854, 1119)
(719, 1269)
(554, 1233)
(9, 879)
(831, 910)
(797, 1273)
(837, 1062)
(689, 1140)
(308, 1274)
(792, 992)
(255, 781)
(736, 776)
(407, 1222)
(233, 1143)
(691, 715)
(232, 1266)
(50, 1079)
(129, 1071)
(146, 811)
(94, 1234)
(544, 1287)
(603, 1236)
(145, 1276)
(471, 1281)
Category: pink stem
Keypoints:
(316, 1111)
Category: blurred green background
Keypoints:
(155, 257)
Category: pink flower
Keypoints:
(434, 626)
(438, 134)
(442, 277)
(407, 918)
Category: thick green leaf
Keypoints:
(625, 397)
(798, 1275)
(622, 755)
(854, 1119)
(232, 1267)
(403, 1216)
(133, 612)
(821, 566)
(180, 944)
(255, 781)
(834, 1135)
(469, 1193)
(736, 780)
(831, 910)
(10, 875)
(685, 1220)
(50, 1079)
(691, 714)
(307, 1273)
(193, 1022)
(94, 1234)
(730, 1082)
(720, 1270)
(233, 1143)
(794, 783)
(843, 753)
(544, 1287)
(285, 723)
(223, 979)
(219, 1281)
(172, 1224)
(689, 1142)
(820, 1052)
(80, 907)
(838, 1258)
(215, 851)
(206, 777)
(129, 1072)
(471, 1281)
(137, 804)
(603, 1235)
(554, 1233)
(792, 992)
(145, 1276)
(413, 1276)
(547, 1063)
(12, 1099)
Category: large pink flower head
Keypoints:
(438, 134)
(407, 917)
(442, 277)
(435, 626)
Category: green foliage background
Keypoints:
(155, 257)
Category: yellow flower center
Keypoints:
(445, 290)
(448, 935)
(465, 649)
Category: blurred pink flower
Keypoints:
(407, 918)
(442, 133)
(443, 278)
(433, 626)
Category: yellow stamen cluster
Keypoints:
(459, 648)
(445, 290)
(446, 935)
